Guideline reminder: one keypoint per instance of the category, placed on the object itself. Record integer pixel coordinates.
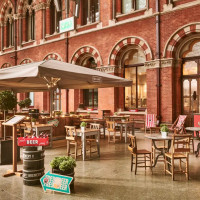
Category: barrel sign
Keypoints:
(22, 141)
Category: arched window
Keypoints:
(90, 96)
(136, 96)
(30, 22)
(55, 17)
(9, 29)
(191, 78)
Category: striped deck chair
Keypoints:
(150, 121)
(179, 124)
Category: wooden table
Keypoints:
(97, 121)
(197, 130)
(158, 137)
(118, 117)
(86, 133)
(126, 124)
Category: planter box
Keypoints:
(6, 152)
(69, 173)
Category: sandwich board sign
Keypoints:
(56, 182)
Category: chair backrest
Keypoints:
(132, 147)
(94, 126)
(110, 126)
(180, 121)
(71, 132)
(150, 120)
(181, 143)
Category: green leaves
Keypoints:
(64, 163)
(8, 100)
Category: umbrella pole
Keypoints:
(51, 103)
(4, 125)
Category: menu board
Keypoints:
(14, 120)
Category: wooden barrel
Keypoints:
(33, 165)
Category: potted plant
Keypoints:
(64, 165)
(164, 130)
(115, 113)
(58, 113)
(27, 102)
(21, 104)
(33, 121)
(8, 101)
(83, 126)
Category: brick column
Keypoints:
(2, 37)
(5, 36)
(23, 29)
(47, 21)
(39, 27)
(118, 7)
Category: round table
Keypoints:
(197, 130)
(158, 137)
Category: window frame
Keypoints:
(133, 9)
(136, 84)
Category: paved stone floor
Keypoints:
(109, 177)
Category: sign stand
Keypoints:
(13, 122)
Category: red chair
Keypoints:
(150, 121)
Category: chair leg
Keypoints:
(108, 136)
(145, 161)
(172, 168)
(180, 165)
(136, 164)
(165, 162)
(131, 162)
(193, 145)
(151, 164)
(75, 151)
(114, 137)
(187, 168)
(68, 147)
(90, 149)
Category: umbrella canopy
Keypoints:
(41, 76)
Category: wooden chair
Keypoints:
(180, 151)
(112, 129)
(92, 141)
(141, 156)
(76, 122)
(72, 139)
(28, 130)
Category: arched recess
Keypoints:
(121, 46)
(177, 39)
(53, 56)
(79, 55)
(5, 65)
(7, 4)
(26, 61)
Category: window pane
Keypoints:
(186, 105)
(127, 5)
(189, 68)
(134, 56)
(193, 85)
(186, 88)
(142, 87)
(85, 18)
(31, 96)
(130, 95)
(140, 4)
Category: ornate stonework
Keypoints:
(108, 69)
(163, 63)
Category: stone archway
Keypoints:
(122, 44)
(86, 50)
(53, 56)
(26, 61)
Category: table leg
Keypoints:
(198, 145)
(104, 130)
(97, 137)
(162, 151)
(84, 145)
(125, 133)
(133, 129)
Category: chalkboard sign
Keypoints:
(14, 120)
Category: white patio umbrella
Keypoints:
(40, 76)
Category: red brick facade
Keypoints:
(105, 41)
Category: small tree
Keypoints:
(8, 101)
